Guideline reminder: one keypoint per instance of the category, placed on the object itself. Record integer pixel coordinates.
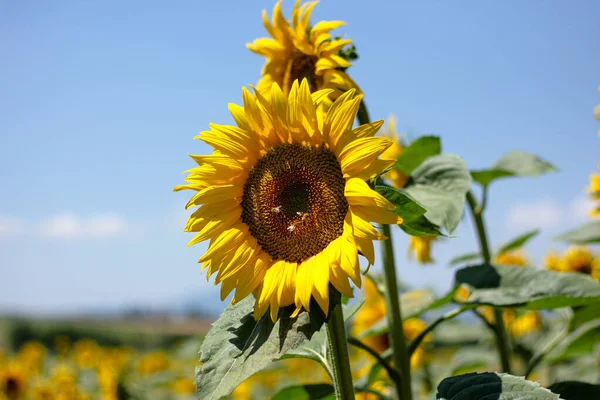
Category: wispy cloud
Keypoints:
(541, 213)
(11, 226)
(70, 225)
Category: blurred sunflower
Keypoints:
(525, 323)
(32, 355)
(397, 178)
(153, 362)
(297, 50)
(420, 247)
(284, 200)
(516, 257)
(594, 191)
(576, 259)
(13, 379)
(373, 310)
(596, 269)
(184, 385)
(551, 261)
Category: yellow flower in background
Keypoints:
(13, 379)
(283, 199)
(516, 257)
(86, 353)
(32, 355)
(552, 261)
(397, 178)
(420, 247)
(594, 191)
(44, 390)
(63, 377)
(243, 391)
(153, 362)
(596, 269)
(576, 259)
(526, 323)
(297, 50)
(372, 311)
(184, 386)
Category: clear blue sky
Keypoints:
(99, 102)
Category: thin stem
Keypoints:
(500, 329)
(417, 341)
(392, 372)
(338, 349)
(401, 356)
(536, 359)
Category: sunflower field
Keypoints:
(295, 204)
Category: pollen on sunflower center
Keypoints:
(293, 202)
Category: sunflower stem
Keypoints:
(400, 355)
(337, 347)
(500, 329)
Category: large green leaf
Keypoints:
(526, 287)
(514, 163)
(518, 242)
(318, 391)
(440, 184)
(583, 340)
(587, 233)
(413, 215)
(574, 390)
(418, 151)
(492, 385)
(237, 346)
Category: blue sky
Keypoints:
(100, 100)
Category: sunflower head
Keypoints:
(283, 198)
(13, 379)
(516, 257)
(526, 323)
(551, 261)
(577, 259)
(420, 247)
(594, 191)
(298, 50)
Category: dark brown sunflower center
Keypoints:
(303, 66)
(294, 201)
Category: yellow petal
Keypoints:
(215, 194)
(374, 214)
(361, 152)
(359, 193)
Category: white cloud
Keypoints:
(580, 208)
(542, 213)
(69, 225)
(11, 226)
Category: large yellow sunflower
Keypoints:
(283, 199)
(297, 50)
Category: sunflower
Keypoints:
(594, 191)
(516, 257)
(526, 323)
(397, 178)
(284, 200)
(420, 247)
(297, 50)
(576, 259)
(551, 261)
(13, 379)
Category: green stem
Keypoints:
(401, 356)
(392, 372)
(417, 341)
(500, 329)
(338, 349)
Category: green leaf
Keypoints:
(514, 163)
(316, 348)
(492, 385)
(583, 340)
(464, 258)
(418, 151)
(518, 242)
(526, 287)
(440, 184)
(414, 222)
(237, 346)
(584, 234)
(574, 390)
(318, 391)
